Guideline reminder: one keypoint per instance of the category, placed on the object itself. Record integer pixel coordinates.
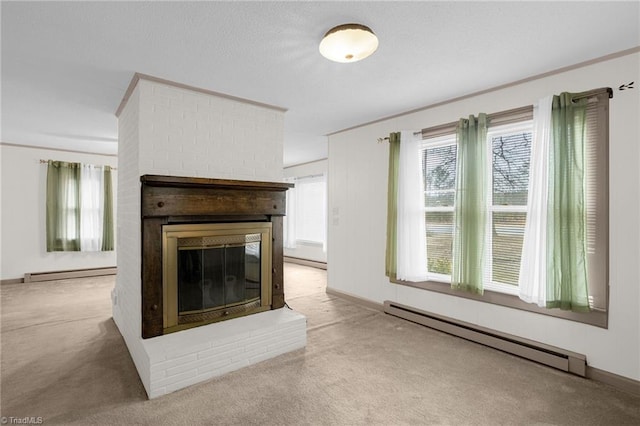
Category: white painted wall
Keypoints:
(23, 200)
(193, 134)
(303, 250)
(357, 219)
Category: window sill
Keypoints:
(595, 318)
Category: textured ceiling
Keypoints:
(67, 65)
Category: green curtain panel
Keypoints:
(392, 205)
(107, 214)
(566, 219)
(470, 205)
(63, 206)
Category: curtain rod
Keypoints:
(46, 161)
(308, 176)
(517, 111)
(387, 138)
(593, 92)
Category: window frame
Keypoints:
(595, 317)
(438, 142)
(493, 131)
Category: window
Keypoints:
(439, 174)
(79, 207)
(310, 209)
(71, 211)
(305, 221)
(509, 147)
(510, 154)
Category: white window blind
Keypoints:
(510, 155)
(597, 199)
(439, 172)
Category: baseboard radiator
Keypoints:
(535, 351)
(63, 275)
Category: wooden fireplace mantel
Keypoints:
(173, 200)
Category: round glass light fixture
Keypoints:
(348, 43)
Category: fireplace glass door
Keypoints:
(214, 272)
(219, 275)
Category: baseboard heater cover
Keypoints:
(535, 351)
(63, 275)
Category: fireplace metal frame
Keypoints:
(170, 236)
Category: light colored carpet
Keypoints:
(64, 360)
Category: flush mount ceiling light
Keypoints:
(348, 43)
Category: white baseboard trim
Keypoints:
(356, 299)
(615, 380)
(12, 281)
(306, 262)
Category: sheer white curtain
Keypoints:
(412, 244)
(533, 265)
(91, 207)
(289, 222)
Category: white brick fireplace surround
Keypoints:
(172, 129)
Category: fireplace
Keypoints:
(182, 153)
(211, 251)
(215, 271)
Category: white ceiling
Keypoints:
(66, 65)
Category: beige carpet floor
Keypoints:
(64, 360)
